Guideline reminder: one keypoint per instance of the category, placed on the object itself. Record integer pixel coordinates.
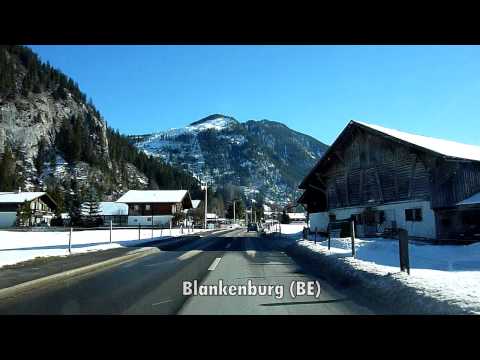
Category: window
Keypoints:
(147, 207)
(413, 214)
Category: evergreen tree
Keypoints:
(8, 178)
(285, 219)
(24, 214)
(42, 155)
(91, 208)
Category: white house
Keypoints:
(297, 217)
(157, 207)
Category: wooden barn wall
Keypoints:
(454, 182)
(372, 168)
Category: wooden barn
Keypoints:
(387, 179)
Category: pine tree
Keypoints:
(42, 155)
(7, 170)
(24, 214)
(91, 208)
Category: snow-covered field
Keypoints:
(18, 246)
(445, 272)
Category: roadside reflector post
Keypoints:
(403, 250)
(70, 241)
(352, 225)
(139, 227)
(110, 230)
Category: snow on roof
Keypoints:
(472, 200)
(108, 208)
(195, 203)
(296, 215)
(153, 196)
(19, 197)
(444, 147)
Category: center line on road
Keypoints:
(161, 302)
(214, 264)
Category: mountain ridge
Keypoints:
(259, 156)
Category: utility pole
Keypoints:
(204, 187)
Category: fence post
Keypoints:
(329, 240)
(170, 227)
(315, 237)
(70, 241)
(139, 226)
(403, 250)
(110, 230)
(352, 224)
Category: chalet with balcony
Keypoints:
(42, 208)
(157, 207)
(386, 179)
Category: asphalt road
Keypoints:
(153, 284)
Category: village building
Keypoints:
(386, 179)
(297, 218)
(157, 207)
(42, 208)
(108, 211)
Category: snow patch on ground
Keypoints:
(448, 274)
(18, 246)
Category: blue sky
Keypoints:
(429, 90)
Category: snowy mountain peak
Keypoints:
(214, 122)
(259, 157)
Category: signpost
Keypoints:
(403, 250)
(352, 234)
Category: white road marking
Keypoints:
(214, 264)
(189, 254)
(161, 302)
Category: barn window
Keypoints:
(413, 214)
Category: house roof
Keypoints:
(441, 147)
(195, 203)
(153, 196)
(108, 208)
(19, 197)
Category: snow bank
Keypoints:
(18, 246)
(443, 278)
